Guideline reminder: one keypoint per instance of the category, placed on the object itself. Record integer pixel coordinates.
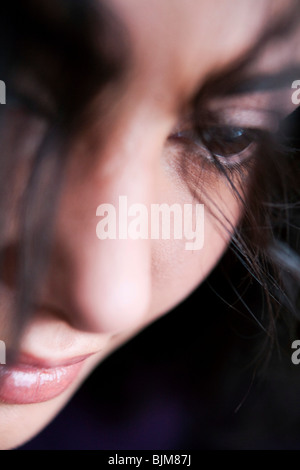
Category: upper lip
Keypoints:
(25, 359)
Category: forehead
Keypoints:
(176, 43)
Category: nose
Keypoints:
(103, 285)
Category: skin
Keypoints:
(98, 294)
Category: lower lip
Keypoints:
(24, 384)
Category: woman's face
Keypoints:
(100, 292)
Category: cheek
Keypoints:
(176, 272)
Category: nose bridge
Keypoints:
(107, 281)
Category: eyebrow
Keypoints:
(261, 82)
(236, 79)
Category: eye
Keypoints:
(225, 142)
(230, 145)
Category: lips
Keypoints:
(31, 381)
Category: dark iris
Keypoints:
(226, 141)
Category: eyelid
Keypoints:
(235, 159)
(227, 161)
(268, 109)
(251, 118)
